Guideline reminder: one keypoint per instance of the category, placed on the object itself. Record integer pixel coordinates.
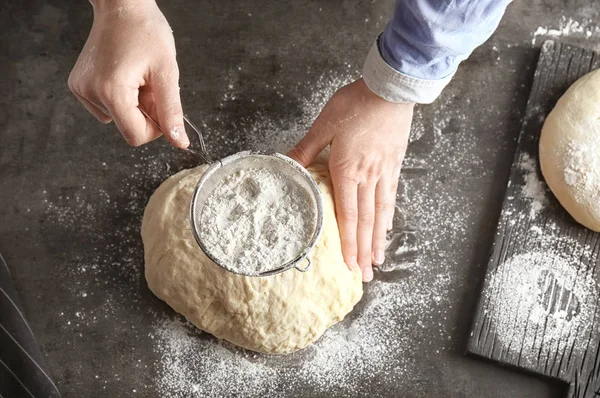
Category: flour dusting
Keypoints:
(585, 28)
(379, 343)
(409, 293)
(582, 172)
(175, 133)
(542, 300)
(579, 162)
(340, 360)
(533, 189)
(257, 220)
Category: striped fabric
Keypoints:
(23, 372)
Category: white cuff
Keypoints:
(394, 86)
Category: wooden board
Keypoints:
(540, 305)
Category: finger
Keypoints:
(168, 107)
(147, 104)
(307, 149)
(393, 191)
(153, 129)
(384, 206)
(131, 122)
(345, 194)
(366, 221)
(94, 110)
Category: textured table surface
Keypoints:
(254, 74)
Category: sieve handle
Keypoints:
(305, 268)
(203, 151)
(203, 154)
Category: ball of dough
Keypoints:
(570, 150)
(276, 314)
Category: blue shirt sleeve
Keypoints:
(421, 47)
(428, 39)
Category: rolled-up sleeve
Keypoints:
(421, 47)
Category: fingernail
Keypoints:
(367, 274)
(353, 263)
(390, 225)
(378, 257)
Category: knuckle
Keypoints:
(384, 206)
(133, 140)
(372, 172)
(106, 91)
(76, 84)
(298, 152)
(344, 177)
(111, 91)
(378, 245)
(173, 110)
(348, 214)
(366, 218)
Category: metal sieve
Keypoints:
(219, 169)
(257, 160)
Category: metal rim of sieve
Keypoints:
(315, 191)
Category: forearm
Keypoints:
(421, 47)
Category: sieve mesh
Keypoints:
(248, 160)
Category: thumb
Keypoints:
(168, 107)
(307, 149)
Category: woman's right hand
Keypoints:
(127, 63)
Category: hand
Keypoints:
(128, 62)
(368, 137)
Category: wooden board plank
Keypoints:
(540, 305)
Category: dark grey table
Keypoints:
(253, 73)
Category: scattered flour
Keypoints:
(542, 301)
(193, 366)
(534, 189)
(381, 337)
(257, 220)
(408, 294)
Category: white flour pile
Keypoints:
(533, 189)
(257, 220)
(542, 302)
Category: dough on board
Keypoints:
(276, 314)
(570, 150)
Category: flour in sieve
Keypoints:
(257, 220)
